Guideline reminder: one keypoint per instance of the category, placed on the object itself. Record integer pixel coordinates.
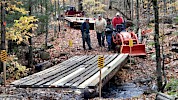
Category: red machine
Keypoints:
(122, 39)
(71, 12)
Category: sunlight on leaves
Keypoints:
(14, 69)
(92, 7)
(20, 30)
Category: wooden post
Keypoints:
(70, 45)
(100, 84)
(100, 65)
(130, 55)
(130, 45)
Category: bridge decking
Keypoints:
(78, 72)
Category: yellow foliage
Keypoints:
(20, 30)
(176, 5)
(14, 69)
(11, 6)
(14, 8)
(91, 7)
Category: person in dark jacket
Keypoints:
(108, 32)
(85, 29)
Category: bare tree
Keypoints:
(3, 37)
(157, 46)
(30, 59)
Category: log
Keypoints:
(44, 55)
(174, 50)
(43, 65)
(174, 44)
(37, 50)
(162, 96)
(174, 47)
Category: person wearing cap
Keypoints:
(85, 30)
(100, 25)
(108, 32)
(117, 20)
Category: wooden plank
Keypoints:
(87, 66)
(109, 68)
(70, 76)
(94, 70)
(55, 73)
(38, 77)
(73, 73)
(22, 80)
(95, 76)
(90, 62)
(89, 72)
(66, 72)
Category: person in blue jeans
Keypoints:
(108, 32)
(100, 25)
(85, 30)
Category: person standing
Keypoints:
(117, 20)
(100, 25)
(85, 30)
(108, 32)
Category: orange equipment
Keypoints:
(122, 39)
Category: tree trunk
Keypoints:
(110, 4)
(42, 25)
(157, 46)
(137, 9)
(125, 8)
(80, 8)
(132, 9)
(55, 31)
(46, 39)
(165, 7)
(41, 6)
(64, 5)
(3, 39)
(129, 8)
(148, 12)
(59, 13)
(3, 25)
(30, 60)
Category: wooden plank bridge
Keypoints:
(78, 72)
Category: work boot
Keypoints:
(109, 48)
(100, 45)
(84, 48)
(90, 48)
(103, 44)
